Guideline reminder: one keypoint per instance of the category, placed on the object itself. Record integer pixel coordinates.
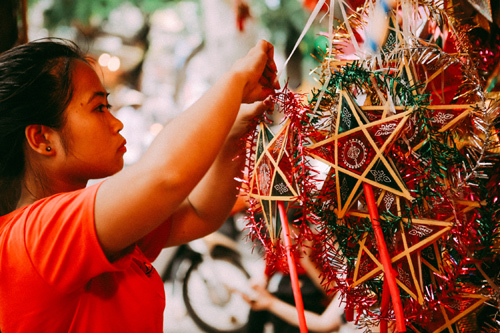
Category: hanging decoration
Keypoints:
(277, 173)
(356, 152)
(273, 188)
(407, 215)
(242, 10)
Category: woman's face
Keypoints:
(91, 145)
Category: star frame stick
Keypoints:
(385, 259)
(297, 294)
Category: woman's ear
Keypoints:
(39, 139)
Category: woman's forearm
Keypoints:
(215, 195)
(325, 322)
(189, 144)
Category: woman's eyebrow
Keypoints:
(98, 94)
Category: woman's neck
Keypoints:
(36, 186)
(26, 200)
(32, 191)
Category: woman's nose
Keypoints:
(116, 123)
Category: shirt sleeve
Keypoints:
(61, 240)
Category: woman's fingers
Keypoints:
(266, 81)
(269, 79)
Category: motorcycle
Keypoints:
(211, 272)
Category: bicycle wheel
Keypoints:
(208, 297)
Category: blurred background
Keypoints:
(158, 56)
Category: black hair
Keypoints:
(35, 89)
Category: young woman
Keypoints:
(75, 258)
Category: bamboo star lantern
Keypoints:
(442, 113)
(272, 184)
(272, 179)
(405, 250)
(449, 312)
(356, 153)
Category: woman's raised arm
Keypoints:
(138, 199)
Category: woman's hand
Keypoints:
(247, 115)
(259, 69)
(260, 300)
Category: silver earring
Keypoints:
(48, 148)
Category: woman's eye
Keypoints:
(103, 108)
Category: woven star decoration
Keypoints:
(272, 179)
(356, 152)
(442, 112)
(445, 317)
(405, 249)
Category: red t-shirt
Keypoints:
(54, 276)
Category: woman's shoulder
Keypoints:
(8, 218)
(66, 203)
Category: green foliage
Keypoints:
(64, 12)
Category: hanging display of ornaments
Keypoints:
(406, 218)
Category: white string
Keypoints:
(330, 51)
(310, 21)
